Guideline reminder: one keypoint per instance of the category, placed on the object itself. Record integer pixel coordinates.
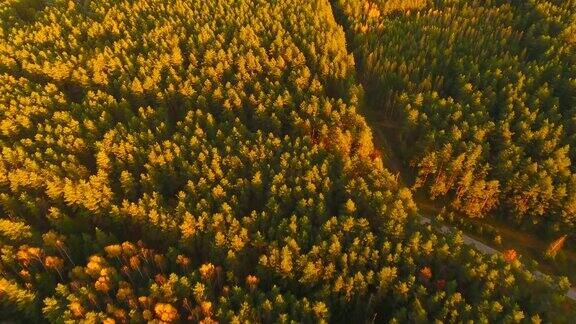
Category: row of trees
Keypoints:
(484, 92)
(178, 161)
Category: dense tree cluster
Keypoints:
(484, 92)
(172, 161)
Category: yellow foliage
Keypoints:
(166, 312)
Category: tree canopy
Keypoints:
(176, 161)
(483, 93)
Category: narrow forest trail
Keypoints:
(380, 128)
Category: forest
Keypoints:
(172, 161)
(484, 93)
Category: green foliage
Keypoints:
(16, 302)
(484, 94)
(183, 161)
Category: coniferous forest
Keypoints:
(174, 161)
(484, 94)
